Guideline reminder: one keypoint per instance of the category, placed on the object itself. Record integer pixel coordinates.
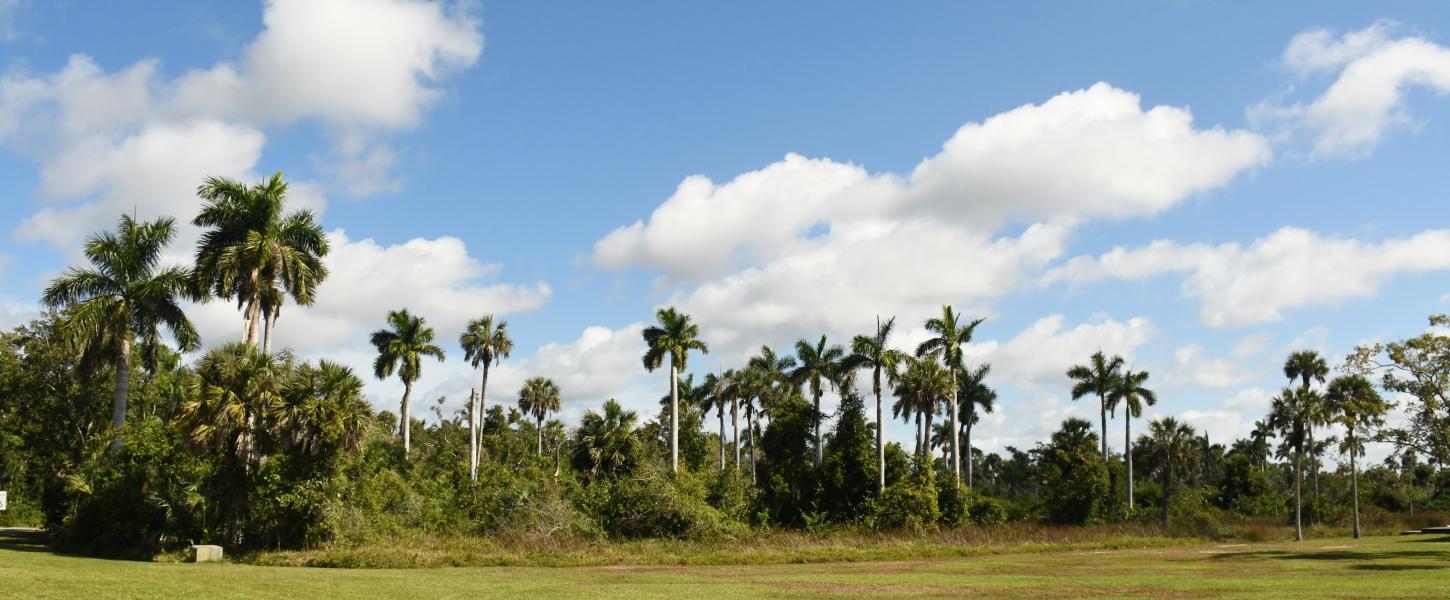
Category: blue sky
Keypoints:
(1271, 173)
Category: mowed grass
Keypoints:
(1379, 567)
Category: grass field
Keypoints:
(1380, 567)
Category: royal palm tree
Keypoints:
(1174, 443)
(1131, 392)
(1290, 414)
(401, 349)
(921, 388)
(707, 396)
(673, 337)
(765, 382)
(538, 399)
(1357, 406)
(125, 296)
(485, 343)
(1097, 378)
(976, 398)
(815, 365)
(251, 244)
(874, 352)
(729, 387)
(1259, 441)
(947, 346)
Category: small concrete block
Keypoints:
(202, 553)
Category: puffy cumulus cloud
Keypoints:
(1367, 98)
(1290, 268)
(1191, 368)
(1039, 356)
(602, 363)
(434, 278)
(1092, 152)
(1232, 418)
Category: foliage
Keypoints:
(1073, 476)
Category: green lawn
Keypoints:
(1383, 567)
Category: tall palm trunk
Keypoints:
(1354, 482)
(674, 418)
(1298, 503)
(817, 418)
(956, 441)
(920, 418)
(1167, 490)
(1128, 451)
(271, 319)
(1313, 474)
(720, 411)
(1103, 414)
(254, 310)
(473, 435)
(539, 431)
(880, 440)
(122, 392)
(478, 431)
(735, 429)
(405, 426)
(750, 432)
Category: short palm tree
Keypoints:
(672, 337)
(401, 348)
(125, 296)
(237, 386)
(606, 443)
(251, 244)
(485, 343)
(1131, 392)
(1097, 378)
(875, 353)
(1175, 445)
(816, 366)
(539, 398)
(976, 398)
(1357, 406)
(324, 409)
(921, 388)
(1290, 414)
(947, 345)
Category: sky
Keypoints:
(1199, 187)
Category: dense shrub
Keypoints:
(911, 503)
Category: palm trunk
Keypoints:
(1167, 490)
(721, 413)
(473, 435)
(539, 431)
(482, 404)
(880, 439)
(1128, 451)
(956, 441)
(969, 453)
(817, 418)
(735, 429)
(1314, 474)
(674, 419)
(926, 435)
(122, 392)
(920, 448)
(1298, 503)
(254, 310)
(271, 319)
(1103, 413)
(1354, 482)
(750, 432)
(405, 427)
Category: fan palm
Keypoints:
(875, 353)
(323, 409)
(1175, 445)
(1356, 405)
(1097, 378)
(816, 364)
(236, 386)
(485, 343)
(401, 349)
(252, 245)
(1290, 414)
(1259, 442)
(125, 296)
(672, 337)
(947, 345)
(606, 443)
(976, 398)
(1308, 366)
(539, 398)
(1132, 393)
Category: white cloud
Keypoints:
(1040, 355)
(1368, 96)
(1290, 268)
(1191, 368)
(1233, 418)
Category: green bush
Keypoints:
(910, 504)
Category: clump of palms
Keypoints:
(253, 250)
(672, 337)
(817, 366)
(1308, 367)
(485, 343)
(1132, 393)
(873, 352)
(920, 390)
(947, 346)
(1176, 446)
(1357, 406)
(976, 398)
(1097, 378)
(538, 399)
(401, 349)
(1290, 414)
(125, 296)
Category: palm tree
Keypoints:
(401, 348)
(976, 398)
(236, 386)
(539, 398)
(1356, 405)
(766, 377)
(816, 364)
(1259, 442)
(707, 396)
(729, 388)
(921, 389)
(125, 295)
(605, 443)
(485, 343)
(1290, 414)
(324, 409)
(252, 245)
(674, 337)
(1132, 394)
(1097, 378)
(1175, 445)
(947, 345)
(874, 352)
(1307, 366)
